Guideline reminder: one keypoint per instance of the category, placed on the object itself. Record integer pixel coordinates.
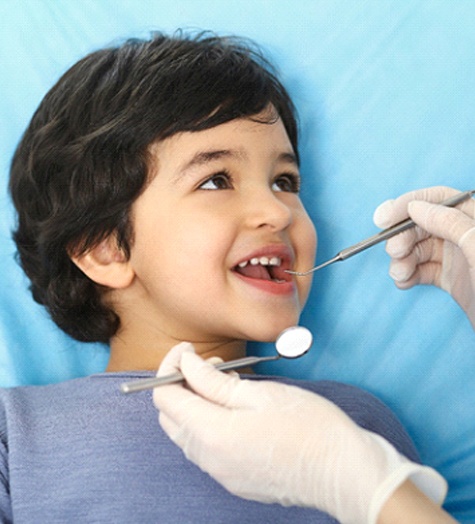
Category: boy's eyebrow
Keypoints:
(289, 157)
(205, 157)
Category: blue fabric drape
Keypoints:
(386, 94)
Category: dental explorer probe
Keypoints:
(381, 236)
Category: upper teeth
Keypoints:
(263, 261)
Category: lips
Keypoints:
(263, 268)
(266, 269)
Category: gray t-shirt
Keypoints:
(80, 451)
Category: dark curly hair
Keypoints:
(83, 160)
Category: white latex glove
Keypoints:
(441, 251)
(272, 442)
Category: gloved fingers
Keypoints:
(403, 244)
(233, 392)
(214, 360)
(392, 211)
(218, 360)
(214, 385)
(448, 223)
(428, 273)
(429, 250)
(172, 362)
(468, 207)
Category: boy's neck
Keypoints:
(142, 354)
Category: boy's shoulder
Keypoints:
(100, 396)
(68, 401)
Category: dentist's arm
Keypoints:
(409, 505)
(272, 442)
(440, 251)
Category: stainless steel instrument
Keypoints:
(381, 236)
(293, 342)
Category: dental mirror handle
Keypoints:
(144, 384)
(383, 235)
(293, 342)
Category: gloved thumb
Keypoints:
(384, 214)
(171, 362)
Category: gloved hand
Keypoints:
(441, 251)
(272, 442)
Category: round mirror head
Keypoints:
(293, 342)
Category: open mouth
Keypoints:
(264, 268)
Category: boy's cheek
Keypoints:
(308, 244)
(304, 289)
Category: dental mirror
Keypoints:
(293, 342)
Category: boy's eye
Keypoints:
(289, 183)
(217, 181)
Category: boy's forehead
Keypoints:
(221, 141)
(187, 151)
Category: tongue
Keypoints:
(259, 272)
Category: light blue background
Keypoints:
(386, 94)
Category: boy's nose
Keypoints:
(266, 209)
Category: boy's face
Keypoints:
(220, 199)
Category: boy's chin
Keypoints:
(272, 333)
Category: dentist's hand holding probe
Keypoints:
(440, 251)
(272, 442)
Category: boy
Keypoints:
(157, 196)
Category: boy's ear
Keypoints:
(106, 264)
